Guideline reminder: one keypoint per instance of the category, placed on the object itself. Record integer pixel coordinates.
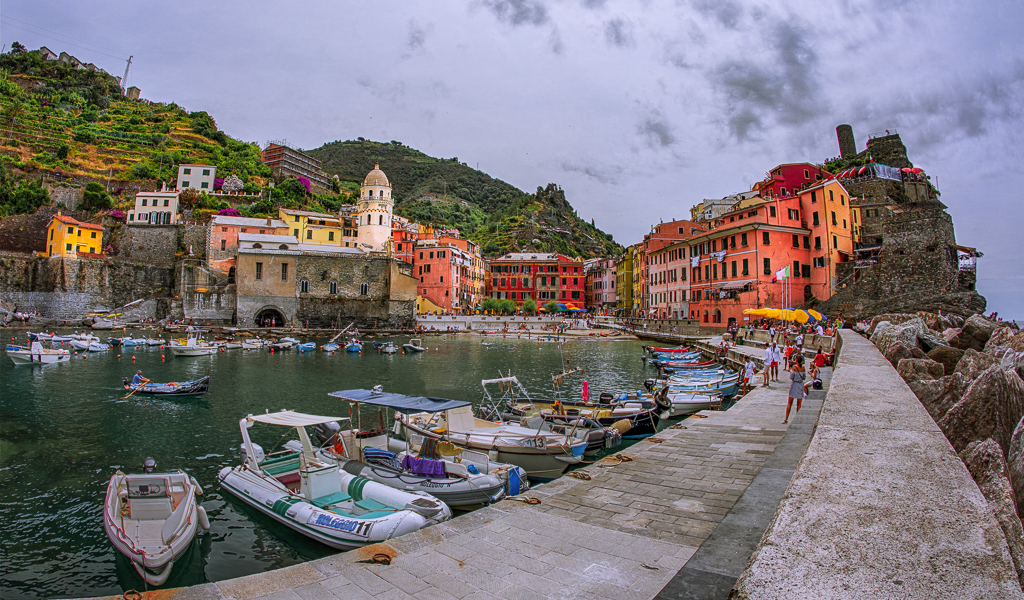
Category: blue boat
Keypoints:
(306, 347)
(353, 346)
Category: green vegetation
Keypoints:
(551, 307)
(20, 197)
(530, 307)
(505, 307)
(95, 197)
(447, 193)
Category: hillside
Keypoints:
(447, 193)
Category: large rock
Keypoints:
(973, 363)
(900, 351)
(947, 356)
(929, 340)
(905, 333)
(991, 408)
(916, 369)
(980, 328)
(1015, 466)
(891, 318)
(1006, 337)
(939, 395)
(984, 459)
(932, 320)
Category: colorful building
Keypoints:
(668, 282)
(449, 272)
(662, 236)
(601, 285)
(222, 239)
(788, 179)
(624, 284)
(522, 276)
(735, 266)
(66, 236)
(155, 208)
(198, 177)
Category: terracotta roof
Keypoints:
(73, 221)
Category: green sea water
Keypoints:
(65, 429)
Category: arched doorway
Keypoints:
(269, 317)
(716, 316)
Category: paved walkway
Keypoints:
(679, 520)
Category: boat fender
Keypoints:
(492, 454)
(195, 484)
(204, 521)
(473, 470)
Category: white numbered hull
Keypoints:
(29, 358)
(192, 351)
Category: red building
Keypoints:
(660, 237)
(522, 276)
(451, 272)
(734, 266)
(786, 180)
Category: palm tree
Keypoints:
(15, 111)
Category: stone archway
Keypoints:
(270, 316)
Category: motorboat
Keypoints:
(155, 341)
(231, 345)
(676, 350)
(36, 354)
(543, 454)
(386, 347)
(91, 346)
(253, 344)
(181, 388)
(306, 347)
(319, 499)
(353, 346)
(457, 476)
(48, 337)
(330, 347)
(130, 342)
(152, 519)
(192, 345)
(86, 337)
(414, 345)
(285, 343)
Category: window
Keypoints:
(304, 286)
(131, 216)
(51, 235)
(783, 191)
(167, 202)
(259, 270)
(796, 241)
(295, 232)
(309, 234)
(734, 268)
(805, 270)
(206, 172)
(71, 230)
(187, 171)
(844, 223)
(807, 174)
(794, 215)
(834, 221)
(364, 289)
(682, 231)
(707, 271)
(767, 266)
(144, 201)
(93, 236)
(816, 222)
(831, 197)
(765, 239)
(796, 268)
(68, 247)
(817, 242)
(431, 255)
(714, 271)
(771, 211)
(714, 245)
(380, 220)
(442, 279)
(835, 243)
(743, 240)
(223, 229)
(284, 271)
(204, 185)
(575, 281)
(184, 184)
(576, 295)
(814, 197)
(819, 261)
(732, 242)
(223, 245)
(746, 269)
(421, 256)
(842, 199)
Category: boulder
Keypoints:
(931, 320)
(984, 459)
(1015, 465)
(899, 351)
(991, 408)
(905, 333)
(947, 356)
(896, 318)
(972, 363)
(939, 395)
(980, 328)
(929, 340)
(916, 369)
(1006, 337)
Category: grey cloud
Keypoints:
(655, 130)
(783, 91)
(395, 94)
(417, 36)
(726, 12)
(518, 12)
(593, 4)
(555, 42)
(601, 174)
(619, 32)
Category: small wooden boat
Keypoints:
(253, 344)
(321, 500)
(385, 347)
(182, 388)
(306, 347)
(48, 337)
(36, 354)
(330, 347)
(678, 349)
(152, 519)
(155, 342)
(353, 346)
(414, 345)
(90, 346)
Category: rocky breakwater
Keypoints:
(968, 375)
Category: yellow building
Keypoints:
(70, 237)
(624, 284)
(320, 228)
(635, 254)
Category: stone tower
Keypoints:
(375, 205)
(847, 143)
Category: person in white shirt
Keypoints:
(748, 373)
(776, 359)
(769, 356)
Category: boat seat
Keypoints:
(332, 499)
(372, 505)
(149, 509)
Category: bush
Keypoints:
(62, 151)
(530, 307)
(508, 307)
(141, 170)
(95, 197)
(551, 307)
(84, 136)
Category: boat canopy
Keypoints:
(291, 418)
(400, 402)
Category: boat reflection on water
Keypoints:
(189, 569)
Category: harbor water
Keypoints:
(66, 428)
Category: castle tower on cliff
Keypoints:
(375, 205)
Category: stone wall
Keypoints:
(249, 306)
(27, 233)
(66, 195)
(384, 313)
(154, 244)
(889, 150)
(195, 236)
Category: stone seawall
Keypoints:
(881, 505)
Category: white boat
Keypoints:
(91, 346)
(543, 454)
(320, 500)
(253, 344)
(87, 337)
(457, 476)
(386, 347)
(414, 345)
(36, 354)
(130, 342)
(192, 345)
(48, 337)
(330, 347)
(155, 342)
(231, 345)
(152, 519)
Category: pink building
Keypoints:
(601, 284)
(222, 241)
(788, 179)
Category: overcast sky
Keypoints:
(637, 109)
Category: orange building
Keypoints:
(67, 236)
(733, 267)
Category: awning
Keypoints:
(400, 402)
(970, 251)
(290, 418)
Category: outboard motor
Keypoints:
(325, 432)
(149, 465)
(649, 383)
(605, 398)
(257, 450)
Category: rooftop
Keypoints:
(247, 221)
(74, 221)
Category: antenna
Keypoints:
(124, 79)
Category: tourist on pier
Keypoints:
(789, 355)
(748, 373)
(769, 357)
(813, 374)
(796, 388)
(776, 359)
(819, 358)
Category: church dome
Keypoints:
(376, 177)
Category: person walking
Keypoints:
(748, 373)
(769, 356)
(776, 359)
(789, 355)
(796, 388)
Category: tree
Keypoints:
(490, 305)
(508, 307)
(232, 183)
(551, 307)
(95, 197)
(530, 307)
(14, 112)
(189, 198)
